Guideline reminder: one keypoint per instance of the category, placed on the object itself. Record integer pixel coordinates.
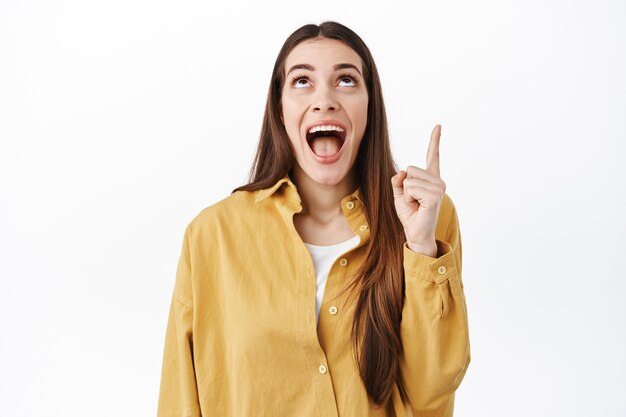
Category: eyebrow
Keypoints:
(311, 68)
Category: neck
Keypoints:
(322, 201)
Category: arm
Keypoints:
(434, 327)
(178, 392)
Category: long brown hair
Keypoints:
(376, 326)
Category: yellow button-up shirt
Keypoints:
(242, 338)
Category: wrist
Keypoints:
(427, 249)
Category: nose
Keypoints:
(325, 100)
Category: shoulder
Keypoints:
(228, 210)
(447, 216)
(447, 206)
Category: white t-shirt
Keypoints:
(323, 258)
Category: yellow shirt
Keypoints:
(242, 338)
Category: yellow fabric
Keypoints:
(242, 339)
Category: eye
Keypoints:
(351, 77)
(295, 81)
(300, 81)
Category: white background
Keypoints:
(121, 120)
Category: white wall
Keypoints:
(121, 120)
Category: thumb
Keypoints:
(396, 183)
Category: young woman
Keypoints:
(330, 284)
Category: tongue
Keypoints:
(325, 145)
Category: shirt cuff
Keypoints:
(428, 268)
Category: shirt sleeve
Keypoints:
(178, 394)
(434, 327)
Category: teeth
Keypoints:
(328, 127)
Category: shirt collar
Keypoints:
(265, 193)
(286, 180)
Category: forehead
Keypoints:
(322, 53)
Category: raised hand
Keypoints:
(417, 197)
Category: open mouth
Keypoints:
(325, 141)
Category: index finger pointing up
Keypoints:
(432, 156)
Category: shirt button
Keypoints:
(343, 262)
(363, 227)
(350, 205)
(332, 310)
(322, 369)
(441, 269)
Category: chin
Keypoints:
(328, 178)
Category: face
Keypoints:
(328, 90)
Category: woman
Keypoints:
(330, 285)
